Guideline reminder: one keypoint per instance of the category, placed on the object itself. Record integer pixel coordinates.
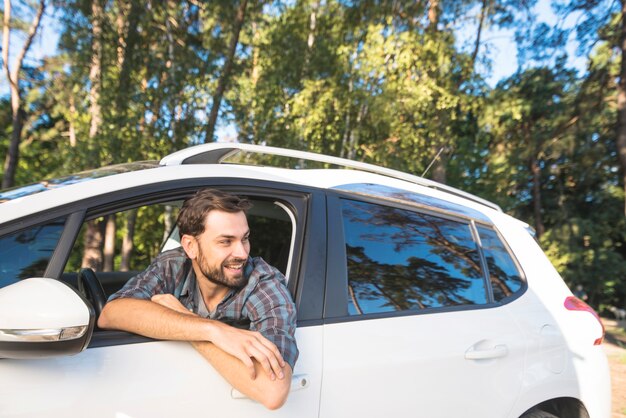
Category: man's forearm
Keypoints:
(272, 393)
(150, 319)
(164, 317)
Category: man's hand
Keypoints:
(170, 301)
(247, 345)
(243, 344)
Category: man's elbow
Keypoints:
(275, 396)
(104, 320)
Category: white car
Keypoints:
(414, 299)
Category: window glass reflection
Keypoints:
(26, 253)
(403, 260)
(503, 273)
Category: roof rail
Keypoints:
(217, 152)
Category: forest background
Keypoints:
(402, 84)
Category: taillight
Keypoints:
(572, 303)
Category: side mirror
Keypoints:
(42, 317)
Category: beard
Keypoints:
(218, 275)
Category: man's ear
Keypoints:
(190, 245)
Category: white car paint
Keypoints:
(40, 303)
(421, 365)
(147, 380)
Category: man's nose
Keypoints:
(240, 250)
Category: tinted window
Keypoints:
(26, 253)
(403, 260)
(503, 272)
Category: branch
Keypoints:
(31, 34)
(481, 21)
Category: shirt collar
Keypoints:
(191, 288)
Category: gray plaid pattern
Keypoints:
(263, 305)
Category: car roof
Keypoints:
(215, 161)
(216, 153)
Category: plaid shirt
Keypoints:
(263, 304)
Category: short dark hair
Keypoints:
(195, 209)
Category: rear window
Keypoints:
(504, 274)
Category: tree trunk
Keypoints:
(171, 76)
(126, 60)
(346, 140)
(121, 31)
(438, 163)
(94, 236)
(128, 242)
(224, 77)
(95, 71)
(255, 75)
(621, 104)
(311, 38)
(168, 222)
(10, 162)
(92, 240)
(72, 118)
(433, 15)
(536, 193)
(354, 133)
(13, 77)
(109, 243)
(347, 130)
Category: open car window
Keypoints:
(272, 227)
(119, 245)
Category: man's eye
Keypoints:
(246, 239)
(225, 242)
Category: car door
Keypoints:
(125, 375)
(412, 329)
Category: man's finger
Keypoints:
(272, 347)
(262, 358)
(273, 358)
(247, 361)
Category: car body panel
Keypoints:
(151, 379)
(419, 363)
(560, 343)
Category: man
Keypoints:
(192, 292)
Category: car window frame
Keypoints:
(336, 299)
(308, 243)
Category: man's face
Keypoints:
(223, 248)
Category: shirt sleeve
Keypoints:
(273, 314)
(158, 278)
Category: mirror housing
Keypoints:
(41, 317)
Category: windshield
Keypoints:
(20, 191)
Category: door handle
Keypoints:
(485, 354)
(298, 382)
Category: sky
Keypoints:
(500, 46)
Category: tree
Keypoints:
(228, 66)
(528, 118)
(13, 77)
(600, 21)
